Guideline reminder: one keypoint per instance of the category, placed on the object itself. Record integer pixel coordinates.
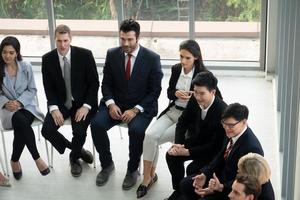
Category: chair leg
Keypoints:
(51, 155)
(39, 133)
(120, 131)
(47, 152)
(1, 162)
(94, 155)
(5, 154)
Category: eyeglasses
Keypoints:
(229, 125)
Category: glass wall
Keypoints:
(227, 30)
(27, 21)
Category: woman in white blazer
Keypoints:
(18, 106)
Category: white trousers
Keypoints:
(162, 131)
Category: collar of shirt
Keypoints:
(235, 138)
(204, 111)
(61, 60)
(188, 75)
(135, 52)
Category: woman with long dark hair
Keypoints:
(179, 92)
(18, 106)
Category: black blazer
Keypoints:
(226, 170)
(203, 138)
(84, 78)
(175, 73)
(267, 192)
(144, 86)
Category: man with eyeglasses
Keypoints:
(215, 180)
(199, 134)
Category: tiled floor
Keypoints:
(254, 91)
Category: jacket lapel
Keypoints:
(8, 87)
(137, 63)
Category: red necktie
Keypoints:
(229, 148)
(128, 67)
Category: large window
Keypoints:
(227, 30)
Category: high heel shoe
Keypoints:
(40, 165)
(17, 174)
(45, 171)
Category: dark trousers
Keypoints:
(23, 135)
(187, 190)
(177, 170)
(60, 143)
(102, 122)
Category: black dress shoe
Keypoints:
(104, 174)
(86, 156)
(130, 180)
(76, 168)
(45, 171)
(143, 189)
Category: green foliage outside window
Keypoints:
(205, 10)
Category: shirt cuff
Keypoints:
(87, 106)
(108, 102)
(53, 107)
(140, 108)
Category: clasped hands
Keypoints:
(58, 118)
(116, 113)
(178, 150)
(213, 185)
(12, 105)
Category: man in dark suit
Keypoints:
(71, 85)
(131, 86)
(223, 169)
(199, 133)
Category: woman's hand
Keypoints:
(183, 95)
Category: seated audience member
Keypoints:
(245, 188)
(199, 133)
(18, 104)
(240, 141)
(71, 86)
(179, 92)
(131, 86)
(4, 182)
(255, 165)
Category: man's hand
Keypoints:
(203, 192)
(57, 117)
(215, 185)
(199, 181)
(81, 113)
(115, 112)
(128, 115)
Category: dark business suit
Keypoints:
(175, 73)
(84, 86)
(225, 170)
(143, 89)
(203, 138)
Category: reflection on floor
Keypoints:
(255, 92)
